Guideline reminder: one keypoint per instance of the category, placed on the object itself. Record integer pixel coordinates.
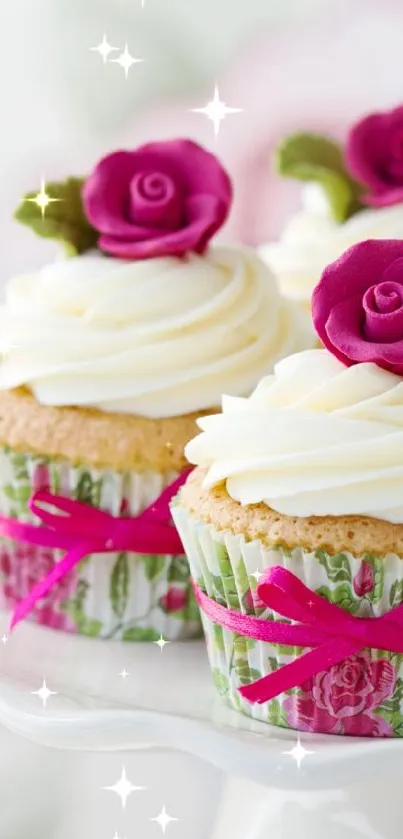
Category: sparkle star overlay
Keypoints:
(124, 673)
(104, 49)
(164, 819)
(126, 60)
(42, 199)
(216, 110)
(44, 693)
(298, 753)
(4, 638)
(161, 643)
(124, 788)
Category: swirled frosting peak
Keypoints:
(316, 438)
(312, 239)
(158, 337)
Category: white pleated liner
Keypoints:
(138, 490)
(234, 567)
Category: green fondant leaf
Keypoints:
(119, 585)
(311, 157)
(337, 567)
(63, 219)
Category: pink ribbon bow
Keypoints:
(80, 530)
(332, 633)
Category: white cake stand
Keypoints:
(167, 701)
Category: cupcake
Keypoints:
(293, 519)
(109, 357)
(353, 194)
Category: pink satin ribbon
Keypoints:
(332, 633)
(81, 530)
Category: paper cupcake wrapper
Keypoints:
(127, 596)
(361, 696)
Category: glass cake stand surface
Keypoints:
(112, 696)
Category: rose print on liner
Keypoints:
(343, 699)
(174, 600)
(357, 307)
(364, 580)
(21, 567)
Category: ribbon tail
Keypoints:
(299, 671)
(44, 586)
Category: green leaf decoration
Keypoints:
(190, 612)
(337, 567)
(224, 561)
(139, 633)
(119, 585)
(342, 595)
(178, 570)
(63, 219)
(242, 577)
(311, 157)
(218, 637)
(83, 491)
(275, 714)
(396, 594)
(240, 645)
(153, 564)
(218, 590)
(89, 627)
(221, 682)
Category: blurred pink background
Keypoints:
(303, 64)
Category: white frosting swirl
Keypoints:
(315, 438)
(157, 338)
(313, 238)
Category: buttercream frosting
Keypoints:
(312, 239)
(315, 438)
(156, 338)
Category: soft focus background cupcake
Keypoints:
(302, 483)
(109, 357)
(353, 194)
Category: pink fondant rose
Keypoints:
(374, 156)
(357, 307)
(161, 199)
(342, 700)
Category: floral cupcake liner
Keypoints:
(127, 596)
(362, 695)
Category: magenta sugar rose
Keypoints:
(357, 307)
(162, 199)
